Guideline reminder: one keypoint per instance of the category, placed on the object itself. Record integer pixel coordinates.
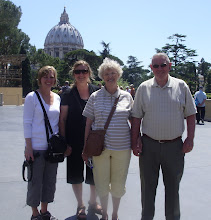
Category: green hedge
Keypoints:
(208, 95)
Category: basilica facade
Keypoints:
(63, 38)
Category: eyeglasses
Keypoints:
(80, 71)
(109, 74)
(161, 65)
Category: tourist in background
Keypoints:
(72, 125)
(111, 167)
(132, 91)
(64, 88)
(200, 98)
(43, 184)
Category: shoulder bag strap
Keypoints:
(47, 123)
(111, 113)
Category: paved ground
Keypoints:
(195, 186)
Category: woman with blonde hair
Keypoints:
(43, 184)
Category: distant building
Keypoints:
(63, 38)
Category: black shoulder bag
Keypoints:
(56, 144)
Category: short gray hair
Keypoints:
(109, 64)
(161, 55)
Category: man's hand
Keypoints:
(137, 150)
(187, 145)
(68, 151)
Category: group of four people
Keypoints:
(152, 126)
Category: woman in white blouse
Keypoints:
(43, 184)
(111, 167)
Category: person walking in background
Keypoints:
(72, 125)
(200, 98)
(111, 167)
(127, 89)
(132, 91)
(160, 106)
(64, 88)
(43, 184)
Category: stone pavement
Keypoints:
(195, 193)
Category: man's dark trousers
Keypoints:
(200, 113)
(170, 158)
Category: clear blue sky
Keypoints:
(134, 27)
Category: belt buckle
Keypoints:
(161, 142)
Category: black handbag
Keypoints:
(56, 144)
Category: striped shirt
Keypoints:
(163, 109)
(98, 108)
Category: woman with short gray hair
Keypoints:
(111, 167)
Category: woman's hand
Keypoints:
(84, 157)
(29, 153)
(28, 149)
(68, 151)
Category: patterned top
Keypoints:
(163, 109)
(98, 108)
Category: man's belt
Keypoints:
(163, 141)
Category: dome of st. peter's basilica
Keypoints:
(62, 38)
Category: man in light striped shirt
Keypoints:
(160, 105)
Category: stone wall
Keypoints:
(208, 110)
(12, 95)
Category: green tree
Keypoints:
(11, 38)
(208, 84)
(134, 73)
(82, 54)
(106, 53)
(26, 77)
(106, 50)
(178, 53)
(203, 69)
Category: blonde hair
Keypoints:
(45, 70)
(109, 64)
(84, 63)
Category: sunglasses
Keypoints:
(161, 65)
(80, 71)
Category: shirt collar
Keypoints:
(168, 84)
(116, 94)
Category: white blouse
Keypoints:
(33, 119)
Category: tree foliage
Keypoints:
(26, 77)
(134, 73)
(82, 54)
(203, 69)
(178, 53)
(11, 38)
(208, 84)
(106, 50)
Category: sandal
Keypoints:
(81, 215)
(95, 208)
(104, 218)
